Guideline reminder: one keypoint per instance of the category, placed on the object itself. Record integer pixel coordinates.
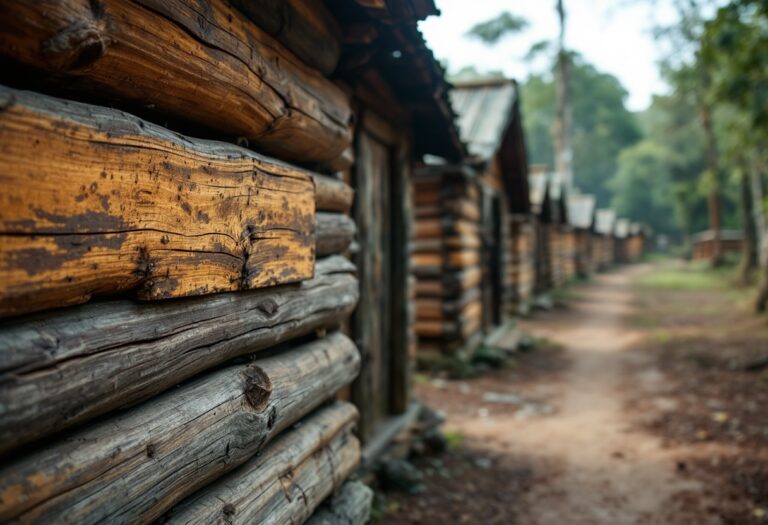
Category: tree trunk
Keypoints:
(749, 245)
(713, 199)
(563, 152)
(758, 195)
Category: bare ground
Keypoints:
(650, 407)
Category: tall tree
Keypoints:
(601, 124)
(735, 45)
(562, 128)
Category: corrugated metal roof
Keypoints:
(556, 185)
(581, 211)
(484, 110)
(604, 221)
(537, 186)
(621, 229)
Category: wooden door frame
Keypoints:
(401, 339)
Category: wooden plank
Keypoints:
(306, 27)
(134, 466)
(333, 194)
(287, 481)
(351, 506)
(202, 61)
(97, 202)
(53, 366)
(334, 231)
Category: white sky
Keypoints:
(614, 35)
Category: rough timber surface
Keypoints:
(65, 367)
(200, 60)
(96, 202)
(133, 467)
(288, 480)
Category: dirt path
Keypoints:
(591, 464)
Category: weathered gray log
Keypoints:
(306, 27)
(202, 61)
(332, 194)
(351, 506)
(117, 204)
(134, 466)
(61, 368)
(334, 233)
(287, 480)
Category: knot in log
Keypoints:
(258, 387)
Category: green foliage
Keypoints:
(493, 30)
(601, 124)
(641, 186)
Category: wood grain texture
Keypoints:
(306, 27)
(335, 232)
(333, 194)
(287, 481)
(200, 60)
(54, 366)
(97, 202)
(351, 506)
(134, 466)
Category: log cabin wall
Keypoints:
(523, 262)
(186, 185)
(569, 253)
(542, 211)
(447, 255)
(581, 217)
(490, 123)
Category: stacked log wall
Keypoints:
(117, 405)
(446, 261)
(523, 260)
(568, 258)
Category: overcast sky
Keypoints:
(614, 35)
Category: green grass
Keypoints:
(688, 276)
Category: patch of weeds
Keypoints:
(662, 336)
(690, 276)
(420, 379)
(543, 342)
(454, 439)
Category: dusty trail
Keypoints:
(591, 463)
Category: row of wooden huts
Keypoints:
(227, 229)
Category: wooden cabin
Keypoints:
(467, 274)
(490, 124)
(581, 218)
(636, 242)
(621, 238)
(179, 266)
(703, 243)
(541, 211)
(402, 112)
(603, 240)
(447, 256)
(560, 235)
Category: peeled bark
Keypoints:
(117, 204)
(134, 466)
(287, 481)
(66, 367)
